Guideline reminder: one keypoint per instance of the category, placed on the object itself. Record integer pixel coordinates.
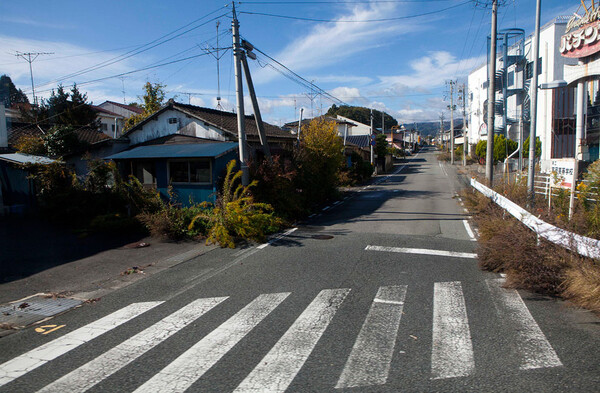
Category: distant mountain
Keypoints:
(432, 128)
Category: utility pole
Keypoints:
(382, 123)
(489, 159)
(442, 130)
(371, 141)
(533, 114)
(300, 123)
(463, 99)
(30, 58)
(451, 83)
(257, 117)
(239, 90)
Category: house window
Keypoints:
(172, 120)
(145, 172)
(511, 78)
(104, 127)
(112, 127)
(192, 171)
(529, 69)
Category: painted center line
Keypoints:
(276, 239)
(422, 251)
(469, 231)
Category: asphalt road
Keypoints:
(379, 293)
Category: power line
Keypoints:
(28, 58)
(152, 44)
(357, 21)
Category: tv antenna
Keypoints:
(215, 53)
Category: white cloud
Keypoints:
(66, 59)
(429, 72)
(329, 43)
(357, 80)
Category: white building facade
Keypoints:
(555, 109)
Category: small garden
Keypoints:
(283, 191)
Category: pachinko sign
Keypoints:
(581, 43)
(582, 36)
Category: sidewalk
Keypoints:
(38, 258)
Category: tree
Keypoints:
(60, 141)
(502, 146)
(320, 159)
(362, 115)
(153, 100)
(381, 145)
(66, 108)
(10, 96)
(538, 147)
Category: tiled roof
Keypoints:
(85, 134)
(294, 124)
(128, 107)
(102, 110)
(227, 121)
(359, 140)
(215, 149)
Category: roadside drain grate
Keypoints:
(322, 237)
(33, 309)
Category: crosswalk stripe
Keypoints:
(534, 348)
(37, 357)
(279, 367)
(193, 363)
(452, 350)
(118, 357)
(371, 355)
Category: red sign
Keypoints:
(581, 43)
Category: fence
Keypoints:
(582, 245)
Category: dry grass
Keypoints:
(506, 245)
(582, 285)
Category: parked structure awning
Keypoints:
(195, 150)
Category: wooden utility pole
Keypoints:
(489, 159)
(463, 98)
(239, 90)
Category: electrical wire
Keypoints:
(357, 21)
(152, 44)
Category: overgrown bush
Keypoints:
(502, 148)
(506, 245)
(236, 214)
(177, 223)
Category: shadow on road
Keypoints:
(29, 246)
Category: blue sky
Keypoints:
(396, 61)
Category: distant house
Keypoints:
(344, 128)
(187, 148)
(212, 124)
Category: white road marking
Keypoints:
(279, 237)
(326, 208)
(193, 363)
(279, 367)
(337, 203)
(469, 231)
(371, 356)
(39, 356)
(451, 349)
(118, 357)
(422, 251)
(533, 347)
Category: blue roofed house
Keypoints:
(187, 148)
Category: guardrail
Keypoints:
(582, 245)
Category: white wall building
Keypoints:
(555, 107)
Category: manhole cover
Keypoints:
(322, 237)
